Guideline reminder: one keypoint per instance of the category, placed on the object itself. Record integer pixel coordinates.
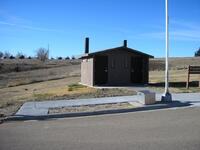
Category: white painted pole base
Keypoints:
(166, 97)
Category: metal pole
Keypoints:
(167, 50)
(166, 97)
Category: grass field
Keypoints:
(32, 80)
(177, 81)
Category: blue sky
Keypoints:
(26, 25)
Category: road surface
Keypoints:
(174, 129)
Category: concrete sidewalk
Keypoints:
(41, 108)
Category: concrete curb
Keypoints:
(156, 106)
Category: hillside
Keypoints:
(175, 63)
(20, 72)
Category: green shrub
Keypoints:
(73, 87)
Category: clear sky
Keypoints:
(26, 25)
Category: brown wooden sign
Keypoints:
(192, 70)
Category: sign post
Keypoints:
(166, 97)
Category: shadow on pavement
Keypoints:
(176, 84)
(156, 106)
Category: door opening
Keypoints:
(101, 70)
(136, 70)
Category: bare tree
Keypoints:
(42, 54)
(11, 57)
(197, 53)
(20, 55)
(6, 55)
(73, 57)
(1, 55)
(67, 57)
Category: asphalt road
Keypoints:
(175, 129)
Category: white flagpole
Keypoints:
(166, 97)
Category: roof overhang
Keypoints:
(83, 56)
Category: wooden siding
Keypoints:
(119, 68)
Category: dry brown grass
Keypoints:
(13, 97)
(34, 81)
(177, 81)
(19, 65)
(177, 74)
(39, 75)
(90, 108)
(175, 63)
(22, 93)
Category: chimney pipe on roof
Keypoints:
(86, 45)
(125, 43)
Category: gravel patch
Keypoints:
(90, 108)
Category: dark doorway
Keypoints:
(136, 70)
(101, 69)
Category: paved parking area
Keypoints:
(174, 129)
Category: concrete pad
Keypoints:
(30, 109)
(41, 108)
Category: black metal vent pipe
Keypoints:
(86, 45)
(125, 43)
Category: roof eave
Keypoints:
(101, 51)
(82, 56)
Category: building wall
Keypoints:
(119, 67)
(87, 71)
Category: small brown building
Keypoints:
(116, 66)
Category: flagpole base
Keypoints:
(166, 97)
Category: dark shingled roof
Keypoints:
(113, 49)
